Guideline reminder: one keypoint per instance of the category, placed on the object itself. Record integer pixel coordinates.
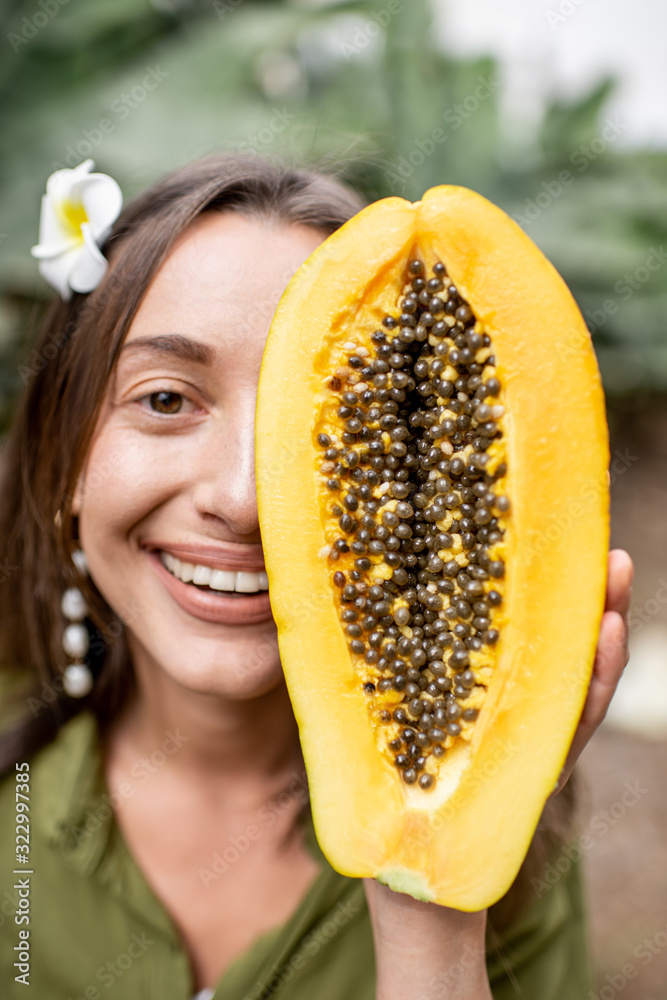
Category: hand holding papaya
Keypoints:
(422, 948)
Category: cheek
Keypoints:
(125, 477)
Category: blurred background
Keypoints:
(554, 109)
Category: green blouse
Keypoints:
(96, 930)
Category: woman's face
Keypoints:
(168, 490)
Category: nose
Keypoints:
(225, 493)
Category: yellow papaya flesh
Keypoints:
(433, 493)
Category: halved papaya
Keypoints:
(433, 494)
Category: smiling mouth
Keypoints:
(215, 581)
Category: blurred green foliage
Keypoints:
(357, 88)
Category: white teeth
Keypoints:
(222, 579)
(247, 583)
(202, 575)
(216, 579)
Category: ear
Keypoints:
(77, 499)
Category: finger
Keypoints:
(611, 656)
(610, 660)
(619, 581)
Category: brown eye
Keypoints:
(166, 402)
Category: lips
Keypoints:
(225, 556)
(209, 596)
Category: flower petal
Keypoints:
(60, 184)
(89, 265)
(102, 199)
(54, 239)
(57, 271)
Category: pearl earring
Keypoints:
(77, 679)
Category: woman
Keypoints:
(171, 850)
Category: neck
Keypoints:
(217, 738)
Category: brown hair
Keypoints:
(75, 354)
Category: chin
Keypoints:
(237, 670)
(236, 683)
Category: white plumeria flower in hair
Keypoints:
(78, 210)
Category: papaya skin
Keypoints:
(462, 844)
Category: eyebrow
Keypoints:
(175, 344)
